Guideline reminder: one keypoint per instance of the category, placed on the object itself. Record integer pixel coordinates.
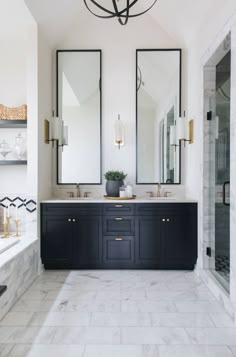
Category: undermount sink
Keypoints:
(80, 198)
(162, 198)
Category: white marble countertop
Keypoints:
(136, 200)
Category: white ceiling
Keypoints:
(182, 19)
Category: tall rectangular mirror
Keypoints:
(158, 105)
(79, 106)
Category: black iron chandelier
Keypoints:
(122, 14)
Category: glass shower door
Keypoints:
(217, 75)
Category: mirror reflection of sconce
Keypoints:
(119, 133)
(182, 133)
(59, 132)
(173, 137)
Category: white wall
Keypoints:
(16, 77)
(118, 46)
(212, 34)
(44, 112)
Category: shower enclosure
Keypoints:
(217, 78)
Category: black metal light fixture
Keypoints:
(122, 14)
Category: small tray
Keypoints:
(119, 198)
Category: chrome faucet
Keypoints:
(78, 190)
(158, 190)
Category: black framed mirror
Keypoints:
(158, 106)
(79, 107)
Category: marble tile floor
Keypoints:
(117, 314)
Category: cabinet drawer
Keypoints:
(118, 250)
(163, 209)
(113, 225)
(71, 210)
(118, 209)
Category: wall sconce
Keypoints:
(173, 138)
(59, 132)
(182, 133)
(119, 133)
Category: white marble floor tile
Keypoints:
(233, 349)
(79, 294)
(26, 335)
(60, 319)
(17, 319)
(199, 306)
(120, 319)
(35, 295)
(117, 313)
(47, 351)
(222, 320)
(86, 335)
(39, 305)
(213, 336)
(181, 320)
(5, 350)
(121, 351)
(194, 351)
(147, 306)
(154, 335)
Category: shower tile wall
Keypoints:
(205, 219)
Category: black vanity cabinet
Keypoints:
(87, 248)
(166, 235)
(71, 235)
(119, 236)
(57, 241)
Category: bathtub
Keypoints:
(7, 243)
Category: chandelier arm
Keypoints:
(120, 14)
(127, 11)
(143, 12)
(112, 14)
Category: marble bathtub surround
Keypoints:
(18, 269)
(117, 313)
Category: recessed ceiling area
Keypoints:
(181, 19)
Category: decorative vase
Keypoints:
(20, 147)
(112, 188)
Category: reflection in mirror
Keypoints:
(158, 98)
(79, 107)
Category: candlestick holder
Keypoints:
(17, 221)
(6, 230)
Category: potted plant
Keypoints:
(115, 179)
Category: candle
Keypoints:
(5, 215)
(8, 212)
(16, 212)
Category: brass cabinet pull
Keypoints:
(118, 206)
(119, 219)
(119, 238)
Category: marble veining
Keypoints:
(117, 313)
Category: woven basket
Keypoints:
(18, 113)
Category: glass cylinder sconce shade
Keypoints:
(173, 135)
(181, 128)
(119, 132)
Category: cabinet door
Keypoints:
(57, 240)
(149, 236)
(180, 239)
(87, 241)
(118, 250)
